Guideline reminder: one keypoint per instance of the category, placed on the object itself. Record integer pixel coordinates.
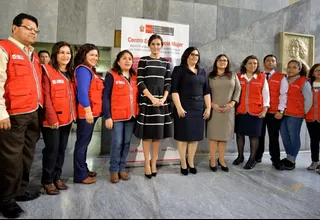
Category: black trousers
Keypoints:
(17, 147)
(273, 126)
(56, 141)
(314, 132)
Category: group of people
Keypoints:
(51, 96)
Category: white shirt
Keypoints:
(265, 89)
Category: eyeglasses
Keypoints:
(223, 61)
(194, 55)
(29, 28)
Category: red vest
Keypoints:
(295, 103)
(314, 112)
(251, 100)
(62, 96)
(124, 97)
(95, 93)
(22, 89)
(274, 83)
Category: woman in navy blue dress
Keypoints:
(191, 97)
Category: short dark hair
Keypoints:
(80, 57)
(43, 51)
(54, 62)
(311, 76)
(269, 55)
(19, 18)
(243, 68)
(187, 53)
(227, 70)
(116, 67)
(153, 37)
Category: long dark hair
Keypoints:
(187, 53)
(80, 57)
(153, 37)
(54, 54)
(311, 76)
(116, 67)
(243, 68)
(303, 70)
(227, 70)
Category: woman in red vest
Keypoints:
(313, 117)
(120, 108)
(298, 104)
(89, 93)
(60, 111)
(252, 108)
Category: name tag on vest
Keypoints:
(120, 82)
(17, 57)
(296, 86)
(58, 81)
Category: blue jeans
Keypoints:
(84, 135)
(120, 145)
(290, 133)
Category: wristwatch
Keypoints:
(281, 112)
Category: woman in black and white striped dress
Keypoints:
(154, 121)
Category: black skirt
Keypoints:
(248, 125)
(189, 128)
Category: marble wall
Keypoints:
(237, 28)
(94, 21)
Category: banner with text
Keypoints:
(135, 33)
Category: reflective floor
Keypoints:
(259, 193)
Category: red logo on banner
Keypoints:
(149, 28)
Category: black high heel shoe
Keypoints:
(214, 169)
(184, 171)
(250, 164)
(225, 169)
(153, 173)
(149, 176)
(238, 160)
(192, 170)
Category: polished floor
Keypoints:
(259, 193)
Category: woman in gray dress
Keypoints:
(225, 89)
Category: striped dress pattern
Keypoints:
(153, 122)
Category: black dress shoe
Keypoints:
(225, 169)
(12, 210)
(258, 160)
(27, 196)
(287, 164)
(249, 165)
(238, 161)
(154, 174)
(277, 165)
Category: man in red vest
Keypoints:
(20, 99)
(278, 87)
